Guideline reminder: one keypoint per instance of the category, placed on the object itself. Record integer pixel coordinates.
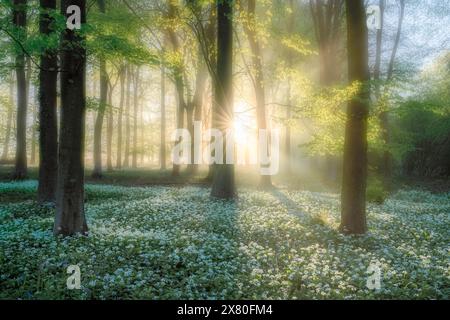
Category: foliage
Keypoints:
(178, 243)
(376, 192)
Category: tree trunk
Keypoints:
(163, 152)
(180, 114)
(142, 132)
(135, 117)
(327, 18)
(20, 22)
(33, 110)
(384, 116)
(48, 132)
(33, 133)
(287, 144)
(120, 118)
(258, 79)
(197, 104)
(353, 198)
(9, 120)
(70, 218)
(224, 181)
(97, 173)
(109, 131)
(126, 162)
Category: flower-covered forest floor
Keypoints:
(171, 242)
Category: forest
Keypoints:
(224, 149)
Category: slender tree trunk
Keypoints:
(287, 144)
(126, 162)
(327, 17)
(70, 218)
(180, 114)
(190, 127)
(197, 105)
(258, 78)
(97, 173)
(142, 132)
(33, 111)
(210, 177)
(384, 116)
(109, 131)
(163, 152)
(178, 72)
(224, 181)
(135, 117)
(120, 118)
(9, 120)
(33, 133)
(20, 22)
(353, 198)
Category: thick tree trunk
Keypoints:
(353, 198)
(163, 152)
(70, 218)
(97, 173)
(135, 117)
(120, 118)
(224, 180)
(20, 22)
(258, 78)
(9, 120)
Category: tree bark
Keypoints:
(33, 111)
(9, 120)
(135, 117)
(126, 162)
(109, 130)
(70, 218)
(327, 17)
(384, 116)
(179, 85)
(120, 118)
(33, 134)
(20, 22)
(287, 144)
(142, 132)
(224, 181)
(353, 198)
(163, 152)
(97, 173)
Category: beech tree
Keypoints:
(224, 181)
(353, 197)
(48, 135)
(97, 173)
(70, 218)
(9, 120)
(163, 152)
(122, 75)
(19, 13)
(257, 76)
